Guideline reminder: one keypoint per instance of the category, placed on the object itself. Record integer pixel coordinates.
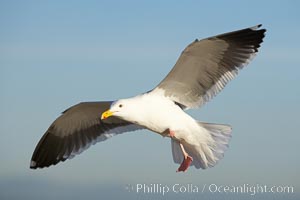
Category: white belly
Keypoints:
(163, 114)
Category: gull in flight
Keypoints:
(202, 71)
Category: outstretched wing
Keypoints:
(75, 130)
(206, 66)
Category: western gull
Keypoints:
(202, 70)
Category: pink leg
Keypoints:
(187, 158)
(186, 161)
(168, 133)
(171, 133)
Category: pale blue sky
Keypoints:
(54, 54)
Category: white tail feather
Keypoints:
(205, 153)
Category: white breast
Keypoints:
(158, 114)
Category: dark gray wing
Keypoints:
(204, 67)
(75, 130)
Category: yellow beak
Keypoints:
(106, 114)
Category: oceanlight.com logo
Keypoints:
(163, 189)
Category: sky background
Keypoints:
(54, 54)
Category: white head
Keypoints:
(123, 109)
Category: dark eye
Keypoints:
(120, 106)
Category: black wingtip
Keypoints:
(256, 27)
(33, 164)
